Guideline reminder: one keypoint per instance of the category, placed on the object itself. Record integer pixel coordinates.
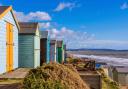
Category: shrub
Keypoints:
(53, 76)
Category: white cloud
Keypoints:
(32, 16)
(45, 25)
(53, 33)
(81, 39)
(124, 6)
(60, 34)
(64, 5)
(72, 38)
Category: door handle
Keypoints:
(10, 44)
(7, 43)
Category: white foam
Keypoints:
(109, 60)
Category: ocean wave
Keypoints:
(109, 60)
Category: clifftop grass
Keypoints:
(53, 76)
(107, 83)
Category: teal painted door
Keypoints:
(60, 55)
(26, 51)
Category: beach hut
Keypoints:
(53, 46)
(60, 49)
(8, 40)
(44, 47)
(29, 45)
(120, 75)
(111, 69)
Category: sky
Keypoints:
(80, 23)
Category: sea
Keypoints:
(111, 57)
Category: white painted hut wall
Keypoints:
(8, 18)
(37, 49)
(2, 46)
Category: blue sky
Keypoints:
(81, 23)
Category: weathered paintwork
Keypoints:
(53, 46)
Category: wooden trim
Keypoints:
(7, 47)
(8, 22)
(5, 12)
(17, 24)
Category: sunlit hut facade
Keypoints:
(29, 45)
(53, 49)
(60, 53)
(8, 40)
(45, 47)
(120, 75)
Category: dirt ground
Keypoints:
(19, 73)
(13, 79)
(124, 87)
(10, 86)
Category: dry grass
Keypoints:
(54, 76)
